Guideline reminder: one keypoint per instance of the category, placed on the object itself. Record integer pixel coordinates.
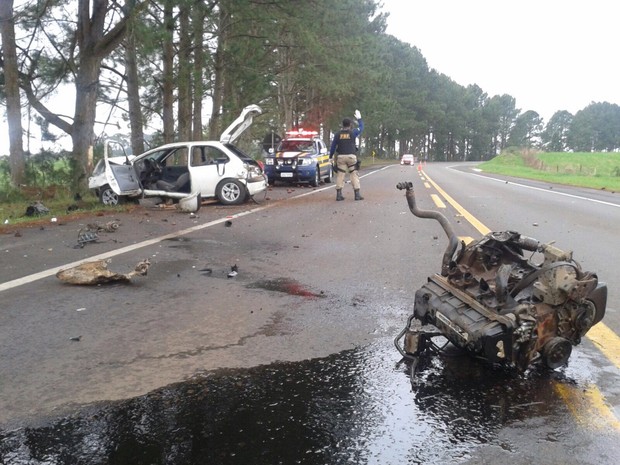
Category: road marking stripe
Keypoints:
(466, 239)
(52, 271)
(602, 337)
(548, 191)
(606, 341)
(580, 404)
(482, 229)
(438, 201)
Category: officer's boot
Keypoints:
(339, 194)
(358, 196)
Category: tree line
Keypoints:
(163, 64)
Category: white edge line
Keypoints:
(602, 202)
(52, 271)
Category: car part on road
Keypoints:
(498, 305)
(92, 273)
(85, 236)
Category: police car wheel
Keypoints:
(317, 178)
(330, 174)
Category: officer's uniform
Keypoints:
(346, 159)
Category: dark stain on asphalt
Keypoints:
(357, 406)
(286, 286)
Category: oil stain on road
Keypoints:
(354, 407)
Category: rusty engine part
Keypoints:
(495, 303)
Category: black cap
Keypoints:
(346, 122)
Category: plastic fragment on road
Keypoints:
(93, 273)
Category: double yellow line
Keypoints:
(582, 403)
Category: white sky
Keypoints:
(550, 55)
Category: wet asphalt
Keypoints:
(357, 406)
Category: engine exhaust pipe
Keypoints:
(453, 241)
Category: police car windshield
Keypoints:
(296, 146)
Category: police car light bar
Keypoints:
(302, 132)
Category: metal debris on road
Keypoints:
(233, 271)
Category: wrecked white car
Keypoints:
(182, 170)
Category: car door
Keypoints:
(208, 166)
(123, 179)
(323, 157)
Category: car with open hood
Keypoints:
(301, 156)
(182, 170)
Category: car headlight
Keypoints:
(305, 161)
(269, 161)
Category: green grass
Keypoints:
(592, 170)
(60, 206)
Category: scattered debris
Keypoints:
(85, 236)
(37, 209)
(97, 273)
(91, 232)
(233, 271)
(228, 224)
(75, 338)
(110, 226)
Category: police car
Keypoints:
(301, 156)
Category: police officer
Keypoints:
(346, 159)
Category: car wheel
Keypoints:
(317, 177)
(330, 174)
(109, 197)
(230, 192)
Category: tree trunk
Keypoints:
(133, 94)
(168, 79)
(199, 60)
(219, 71)
(82, 135)
(184, 82)
(11, 88)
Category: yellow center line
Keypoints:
(581, 404)
(606, 341)
(482, 229)
(438, 202)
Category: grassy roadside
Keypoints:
(591, 170)
(13, 215)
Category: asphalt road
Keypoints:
(316, 279)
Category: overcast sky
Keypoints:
(549, 55)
